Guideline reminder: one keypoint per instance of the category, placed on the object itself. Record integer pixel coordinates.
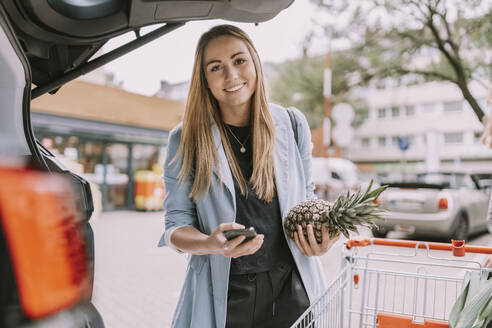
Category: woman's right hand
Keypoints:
(218, 244)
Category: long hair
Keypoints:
(202, 110)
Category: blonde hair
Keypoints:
(202, 110)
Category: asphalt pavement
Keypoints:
(137, 284)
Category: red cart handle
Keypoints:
(457, 248)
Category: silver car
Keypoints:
(444, 205)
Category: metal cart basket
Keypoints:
(394, 283)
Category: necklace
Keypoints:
(242, 149)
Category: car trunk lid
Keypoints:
(412, 197)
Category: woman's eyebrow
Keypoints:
(212, 62)
(237, 53)
(218, 61)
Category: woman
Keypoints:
(234, 163)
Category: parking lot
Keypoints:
(138, 284)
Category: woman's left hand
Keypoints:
(311, 247)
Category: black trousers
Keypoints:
(273, 299)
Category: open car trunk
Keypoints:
(43, 45)
(60, 36)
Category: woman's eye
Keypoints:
(239, 61)
(215, 68)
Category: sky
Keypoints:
(170, 58)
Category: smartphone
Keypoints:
(249, 233)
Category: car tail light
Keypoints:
(443, 204)
(45, 240)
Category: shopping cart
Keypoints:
(389, 283)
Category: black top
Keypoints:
(252, 211)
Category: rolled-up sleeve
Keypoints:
(179, 208)
(306, 150)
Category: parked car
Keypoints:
(333, 176)
(46, 244)
(447, 205)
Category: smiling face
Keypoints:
(230, 72)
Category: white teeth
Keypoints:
(237, 87)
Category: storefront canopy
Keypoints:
(97, 103)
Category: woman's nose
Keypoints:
(230, 73)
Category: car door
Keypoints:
(478, 201)
(474, 201)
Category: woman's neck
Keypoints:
(237, 115)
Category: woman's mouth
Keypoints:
(235, 88)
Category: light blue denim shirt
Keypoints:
(203, 299)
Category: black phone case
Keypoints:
(231, 234)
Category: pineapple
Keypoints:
(345, 214)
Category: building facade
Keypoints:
(418, 113)
(108, 132)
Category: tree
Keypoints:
(412, 41)
(299, 83)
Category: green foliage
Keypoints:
(299, 83)
(415, 40)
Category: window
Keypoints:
(381, 112)
(91, 157)
(362, 115)
(477, 136)
(117, 176)
(145, 157)
(364, 142)
(409, 110)
(394, 141)
(382, 142)
(453, 137)
(453, 106)
(428, 108)
(395, 111)
(62, 145)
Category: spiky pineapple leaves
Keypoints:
(373, 195)
(352, 210)
(349, 211)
